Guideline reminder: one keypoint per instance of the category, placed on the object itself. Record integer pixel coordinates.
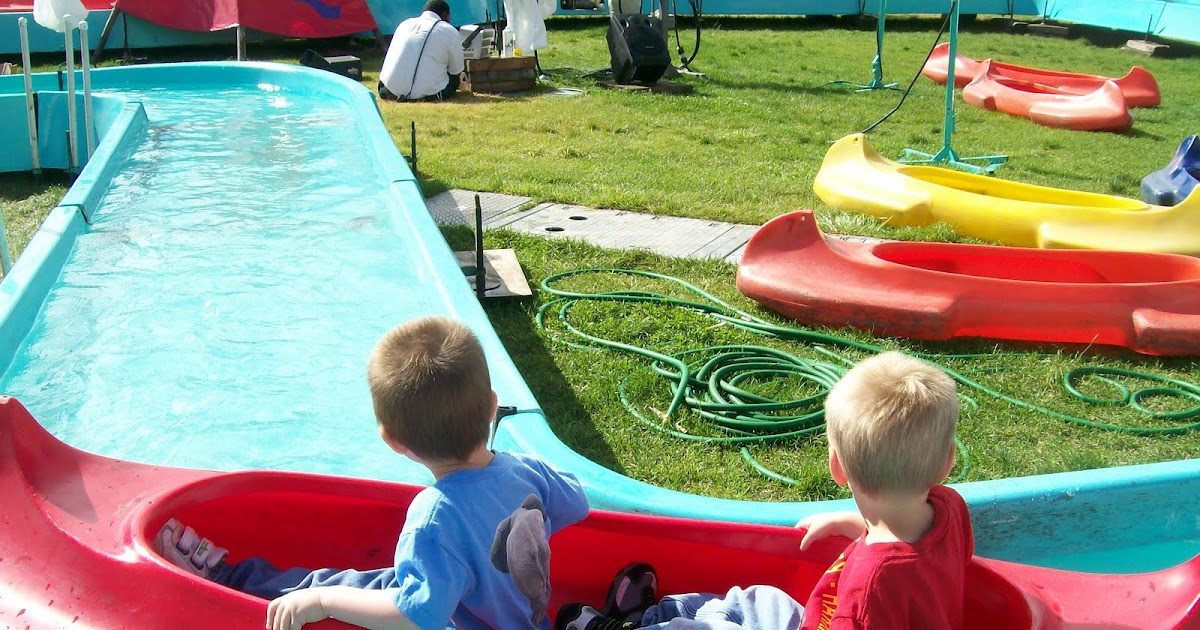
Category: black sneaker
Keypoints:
(633, 590)
(581, 617)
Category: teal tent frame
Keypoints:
(986, 164)
(876, 64)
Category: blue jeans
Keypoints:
(753, 608)
(260, 578)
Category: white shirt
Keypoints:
(442, 56)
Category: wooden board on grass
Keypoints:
(660, 87)
(503, 277)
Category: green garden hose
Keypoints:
(708, 381)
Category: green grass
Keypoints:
(578, 388)
(744, 147)
(25, 201)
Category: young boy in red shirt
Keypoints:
(890, 422)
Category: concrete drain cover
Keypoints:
(457, 207)
(614, 229)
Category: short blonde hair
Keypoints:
(431, 389)
(891, 422)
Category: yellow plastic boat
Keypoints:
(854, 177)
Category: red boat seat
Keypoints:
(85, 521)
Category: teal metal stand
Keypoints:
(877, 64)
(987, 163)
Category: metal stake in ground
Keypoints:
(480, 271)
(877, 64)
(947, 155)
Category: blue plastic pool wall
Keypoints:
(122, 126)
(53, 150)
(1049, 519)
(1168, 19)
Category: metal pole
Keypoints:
(104, 33)
(662, 19)
(947, 155)
(31, 117)
(72, 124)
(84, 59)
(876, 63)
(948, 126)
(241, 43)
(5, 257)
(480, 269)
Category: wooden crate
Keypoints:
(492, 75)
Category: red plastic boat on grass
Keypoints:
(1147, 302)
(1139, 87)
(74, 548)
(1102, 110)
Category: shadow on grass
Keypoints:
(21, 186)
(514, 324)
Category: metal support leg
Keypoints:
(30, 111)
(84, 60)
(947, 155)
(876, 64)
(72, 122)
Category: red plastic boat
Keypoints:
(1102, 110)
(1147, 302)
(1139, 87)
(74, 548)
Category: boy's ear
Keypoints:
(835, 469)
(399, 448)
(949, 462)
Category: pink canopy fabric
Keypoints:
(290, 18)
(26, 6)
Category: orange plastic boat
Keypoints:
(1102, 110)
(1139, 87)
(75, 552)
(1147, 302)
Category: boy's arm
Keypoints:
(566, 502)
(374, 609)
(849, 524)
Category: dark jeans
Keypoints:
(260, 578)
(445, 95)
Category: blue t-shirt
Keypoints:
(474, 551)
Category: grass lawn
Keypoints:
(744, 147)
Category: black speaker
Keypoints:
(637, 48)
(345, 65)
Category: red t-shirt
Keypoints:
(900, 586)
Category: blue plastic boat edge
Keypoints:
(1173, 183)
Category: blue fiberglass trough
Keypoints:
(254, 230)
(1172, 184)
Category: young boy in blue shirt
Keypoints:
(474, 547)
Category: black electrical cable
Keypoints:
(697, 13)
(907, 90)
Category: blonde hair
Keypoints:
(431, 389)
(891, 422)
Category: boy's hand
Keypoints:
(295, 609)
(849, 524)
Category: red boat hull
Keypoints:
(74, 548)
(1102, 110)
(1138, 86)
(1149, 303)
